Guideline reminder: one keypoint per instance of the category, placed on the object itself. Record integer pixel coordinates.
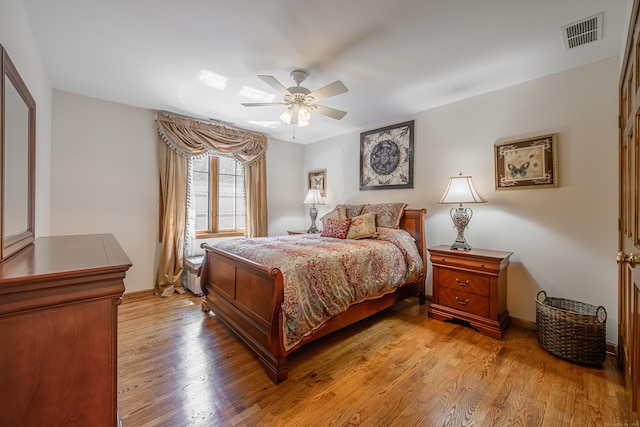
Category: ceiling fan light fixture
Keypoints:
(304, 115)
(302, 123)
(287, 115)
(296, 111)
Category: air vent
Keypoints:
(582, 32)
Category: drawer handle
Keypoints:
(462, 283)
(465, 302)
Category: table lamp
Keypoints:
(461, 190)
(313, 198)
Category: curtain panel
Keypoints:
(183, 137)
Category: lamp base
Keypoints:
(461, 217)
(313, 213)
(461, 246)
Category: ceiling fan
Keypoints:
(300, 101)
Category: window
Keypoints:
(218, 190)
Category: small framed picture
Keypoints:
(527, 163)
(318, 179)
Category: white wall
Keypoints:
(105, 179)
(285, 162)
(564, 239)
(16, 37)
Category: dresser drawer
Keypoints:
(464, 301)
(464, 281)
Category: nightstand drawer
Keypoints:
(465, 301)
(463, 281)
(462, 260)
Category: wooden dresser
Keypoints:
(59, 302)
(471, 286)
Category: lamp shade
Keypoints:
(461, 190)
(313, 197)
(286, 116)
(303, 116)
(296, 114)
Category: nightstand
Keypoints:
(471, 286)
(296, 232)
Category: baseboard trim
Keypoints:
(526, 324)
(138, 295)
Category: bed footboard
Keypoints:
(247, 298)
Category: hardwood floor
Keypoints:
(178, 366)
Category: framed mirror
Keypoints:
(17, 160)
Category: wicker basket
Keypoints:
(571, 330)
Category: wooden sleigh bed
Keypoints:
(248, 298)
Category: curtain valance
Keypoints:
(193, 137)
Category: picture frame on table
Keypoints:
(386, 157)
(527, 163)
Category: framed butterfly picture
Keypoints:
(318, 179)
(527, 163)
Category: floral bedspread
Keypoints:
(323, 276)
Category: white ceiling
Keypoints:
(397, 57)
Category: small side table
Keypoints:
(291, 232)
(471, 286)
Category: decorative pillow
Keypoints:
(387, 214)
(363, 226)
(353, 210)
(336, 228)
(338, 213)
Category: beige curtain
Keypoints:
(183, 137)
(173, 214)
(255, 181)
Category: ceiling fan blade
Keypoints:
(263, 104)
(332, 89)
(274, 83)
(330, 112)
